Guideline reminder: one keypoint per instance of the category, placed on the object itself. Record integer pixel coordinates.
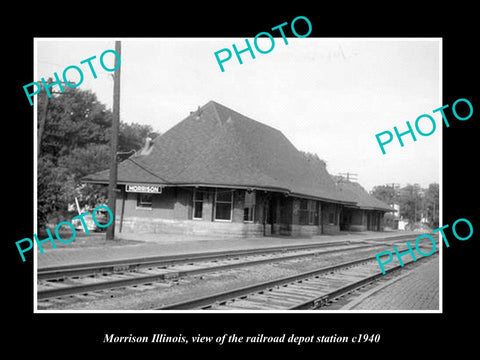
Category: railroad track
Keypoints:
(308, 290)
(64, 281)
(87, 269)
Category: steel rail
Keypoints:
(169, 274)
(203, 302)
(221, 297)
(318, 302)
(63, 271)
(54, 272)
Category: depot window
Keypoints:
(144, 201)
(308, 214)
(223, 205)
(249, 206)
(198, 204)
(331, 218)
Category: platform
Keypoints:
(415, 289)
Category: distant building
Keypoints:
(218, 172)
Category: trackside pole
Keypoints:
(112, 183)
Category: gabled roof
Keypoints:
(357, 193)
(217, 146)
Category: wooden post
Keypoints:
(112, 184)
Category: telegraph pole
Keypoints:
(112, 183)
(350, 176)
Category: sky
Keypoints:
(328, 96)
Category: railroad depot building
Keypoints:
(218, 172)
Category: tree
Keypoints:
(431, 204)
(82, 161)
(411, 202)
(75, 142)
(75, 119)
(385, 193)
(50, 188)
(132, 136)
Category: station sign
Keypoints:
(141, 188)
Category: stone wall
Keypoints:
(190, 227)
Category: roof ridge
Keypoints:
(215, 104)
(229, 134)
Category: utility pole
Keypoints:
(350, 176)
(112, 183)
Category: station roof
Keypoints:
(219, 147)
(357, 193)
